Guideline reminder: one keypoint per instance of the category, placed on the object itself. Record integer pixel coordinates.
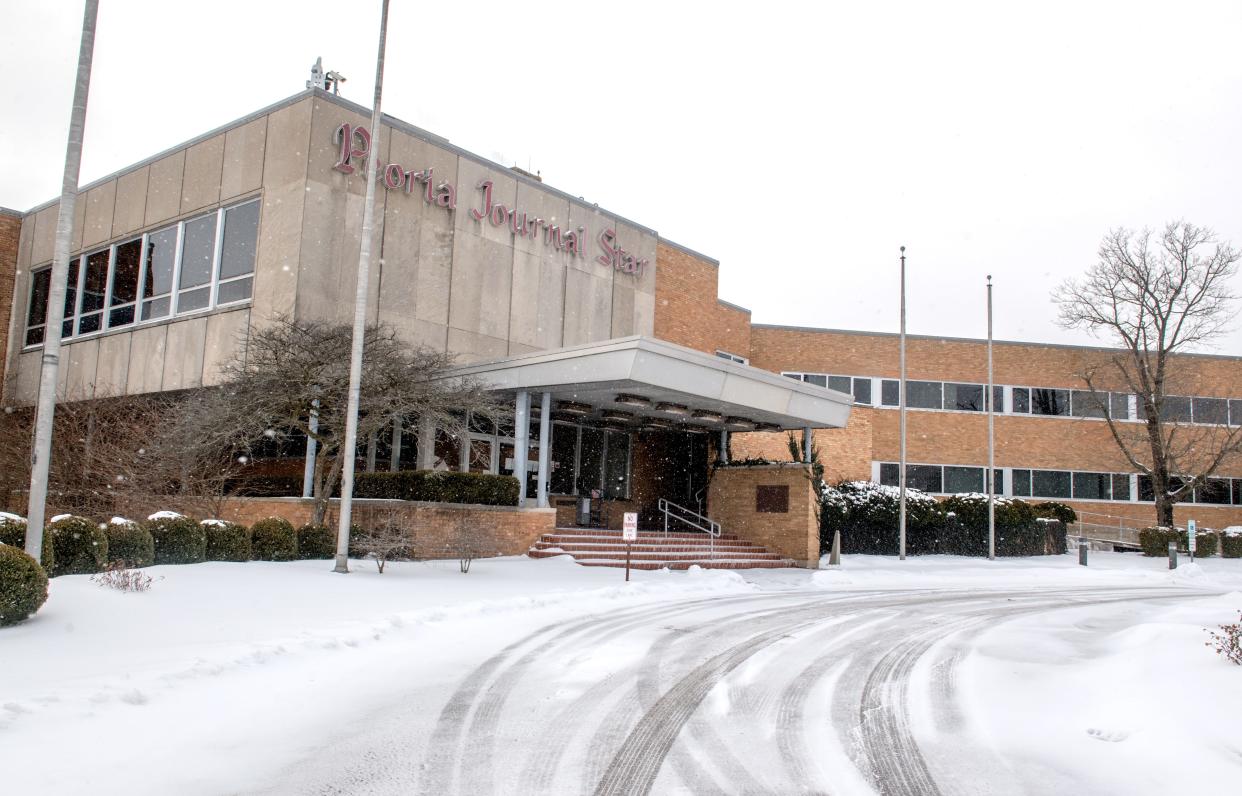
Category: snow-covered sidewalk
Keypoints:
(223, 675)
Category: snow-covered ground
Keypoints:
(227, 677)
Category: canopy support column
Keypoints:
(545, 453)
(521, 442)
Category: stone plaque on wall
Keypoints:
(773, 499)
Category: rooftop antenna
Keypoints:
(328, 81)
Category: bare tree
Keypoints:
(291, 371)
(1155, 297)
(386, 540)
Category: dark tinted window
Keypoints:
(1237, 491)
(862, 391)
(816, 379)
(1092, 486)
(40, 285)
(197, 251)
(1022, 483)
(963, 479)
(839, 383)
(1211, 410)
(125, 272)
(241, 235)
(890, 392)
(1050, 483)
(1119, 405)
(1121, 486)
(926, 477)
(1089, 404)
(998, 398)
(964, 397)
(1049, 402)
(890, 474)
(923, 395)
(1021, 400)
(1145, 491)
(95, 285)
(1215, 490)
(1176, 409)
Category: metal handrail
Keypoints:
(692, 519)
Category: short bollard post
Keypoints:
(1082, 553)
(1172, 555)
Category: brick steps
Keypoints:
(593, 547)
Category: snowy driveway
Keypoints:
(788, 692)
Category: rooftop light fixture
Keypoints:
(626, 399)
(666, 408)
(574, 408)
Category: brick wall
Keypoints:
(10, 231)
(687, 310)
(437, 528)
(794, 534)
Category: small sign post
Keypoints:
(629, 533)
(1190, 538)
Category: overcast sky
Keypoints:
(800, 146)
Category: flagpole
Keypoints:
(348, 452)
(901, 407)
(45, 413)
(991, 484)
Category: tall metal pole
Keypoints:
(45, 412)
(991, 485)
(360, 313)
(901, 411)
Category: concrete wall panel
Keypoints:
(99, 204)
(280, 229)
(470, 347)
(537, 302)
(204, 164)
(146, 359)
(622, 310)
(244, 148)
(226, 338)
(588, 308)
(183, 358)
(131, 201)
(504, 192)
(25, 382)
(81, 360)
(480, 290)
(164, 188)
(44, 236)
(112, 372)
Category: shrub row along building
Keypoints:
(575, 314)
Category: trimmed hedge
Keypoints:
(1155, 542)
(867, 515)
(178, 540)
(273, 539)
(1231, 545)
(1053, 510)
(439, 487)
(226, 541)
(129, 543)
(23, 585)
(81, 547)
(13, 533)
(316, 542)
(265, 486)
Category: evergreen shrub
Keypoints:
(317, 542)
(1155, 541)
(129, 543)
(264, 486)
(1206, 543)
(1231, 543)
(867, 516)
(439, 487)
(226, 541)
(81, 547)
(23, 585)
(1053, 510)
(13, 533)
(273, 539)
(178, 540)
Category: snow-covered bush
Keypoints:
(316, 542)
(122, 578)
(129, 543)
(867, 513)
(23, 585)
(1231, 542)
(227, 541)
(81, 547)
(1055, 511)
(1155, 542)
(1228, 642)
(13, 533)
(178, 539)
(273, 539)
(966, 527)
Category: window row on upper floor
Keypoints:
(949, 479)
(1048, 401)
(191, 266)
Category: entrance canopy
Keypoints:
(642, 381)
